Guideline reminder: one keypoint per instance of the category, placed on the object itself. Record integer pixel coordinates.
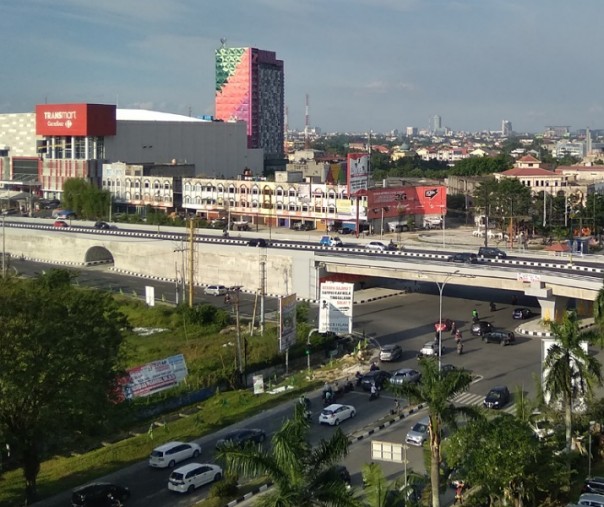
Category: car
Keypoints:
(593, 485)
(443, 325)
(497, 397)
(522, 313)
(60, 223)
(390, 352)
(193, 475)
(330, 241)
(100, 494)
(418, 434)
(405, 376)
(377, 377)
(591, 499)
(491, 253)
(103, 225)
(344, 474)
(335, 413)
(302, 226)
(543, 428)
(167, 455)
(376, 245)
(258, 242)
(242, 437)
(346, 230)
(465, 257)
(65, 215)
(481, 327)
(431, 349)
(433, 222)
(447, 368)
(215, 290)
(501, 337)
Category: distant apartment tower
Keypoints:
(435, 123)
(506, 128)
(557, 131)
(411, 131)
(250, 88)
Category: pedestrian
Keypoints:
(453, 328)
(459, 493)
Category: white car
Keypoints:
(431, 349)
(334, 414)
(194, 475)
(169, 454)
(376, 245)
(215, 290)
(419, 433)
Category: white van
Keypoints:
(215, 290)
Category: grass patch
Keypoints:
(243, 489)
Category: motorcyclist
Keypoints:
(458, 336)
(374, 367)
(493, 306)
(475, 315)
(374, 392)
(358, 375)
(459, 347)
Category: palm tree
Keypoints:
(436, 389)
(599, 314)
(302, 476)
(378, 492)
(570, 372)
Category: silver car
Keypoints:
(419, 433)
(405, 376)
(390, 352)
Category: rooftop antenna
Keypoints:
(223, 42)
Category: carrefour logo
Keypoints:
(68, 124)
(431, 193)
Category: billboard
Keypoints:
(154, 377)
(408, 200)
(335, 310)
(287, 322)
(76, 120)
(358, 172)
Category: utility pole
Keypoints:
(233, 293)
(180, 284)
(262, 291)
(191, 261)
(3, 247)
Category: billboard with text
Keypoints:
(154, 377)
(287, 322)
(335, 307)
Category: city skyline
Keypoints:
(366, 65)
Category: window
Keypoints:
(187, 187)
(279, 192)
(292, 192)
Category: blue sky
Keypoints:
(366, 64)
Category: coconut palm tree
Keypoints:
(570, 372)
(599, 315)
(436, 390)
(379, 492)
(302, 476)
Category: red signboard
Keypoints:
(75, 120)
(396, 201)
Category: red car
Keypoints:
(443, 325)
(61, 223)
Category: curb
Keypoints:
(549, 334)
(352, 439)
(375, 298)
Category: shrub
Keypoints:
(225, 488)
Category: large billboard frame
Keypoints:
(336, 303)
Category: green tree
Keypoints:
(436, 390)
(502, 460)
(303, 476)
(475, 166)
(59, 363)
(86, 200)
(570, 371)
(599, 314)
(379, 492)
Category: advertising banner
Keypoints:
(154, 377)
(76, 120)
(335, 310)
(287, 322)
(358, 172)
(258, 381)
(396, 201)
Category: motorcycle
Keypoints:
(493, 307)
(374, 395)
(459, 348)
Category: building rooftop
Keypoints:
(146, 115)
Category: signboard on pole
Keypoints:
(258, 381)
(335, 310)
(387, 451)
(150, 295)
(154, 377)
(287, 322)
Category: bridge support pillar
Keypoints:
(585, 309)
(552, 307)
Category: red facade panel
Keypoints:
(395, 201)
(96, 120)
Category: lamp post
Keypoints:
(591, 427)
(441, 288)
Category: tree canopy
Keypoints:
(86, 200)
(59, 364)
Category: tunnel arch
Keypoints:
(98, 255)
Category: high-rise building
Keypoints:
(435, 123)
(250, 87)
(506, 128)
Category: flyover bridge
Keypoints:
(293, 266)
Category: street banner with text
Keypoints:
(335, 310)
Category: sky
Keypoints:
(366, 65)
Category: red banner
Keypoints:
(75, 120)
(395, 201)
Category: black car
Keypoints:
(242, 437)
(481, 327)
(522, 313)
(377, 377)
(501, 337)
(343, 472)
(259, 242)
(593, 485)
(103, 225)
(468, 258)
(497, 397)
(491, 253)
(100, 494)
(345, 230)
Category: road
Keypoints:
(405, 319)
